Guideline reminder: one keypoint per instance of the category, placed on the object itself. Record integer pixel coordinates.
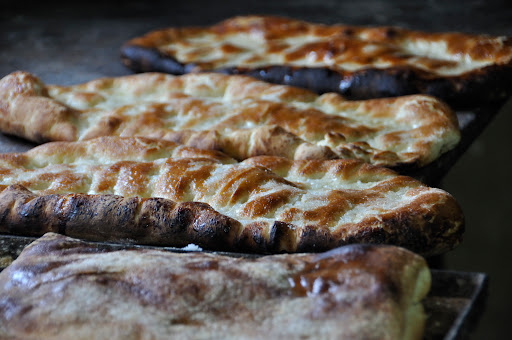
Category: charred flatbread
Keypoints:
(358, 62)
(106, 190)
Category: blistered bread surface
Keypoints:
(237, 115)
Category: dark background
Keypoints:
(67, 43)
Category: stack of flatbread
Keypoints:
(232, 163)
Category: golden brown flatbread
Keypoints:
(61, 288)
(358, 62)
(238, 115)
(106, 190)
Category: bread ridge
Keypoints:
(368, 289)
(264, 204)
(237, 115)
(359, 62)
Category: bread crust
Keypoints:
(358, 62)
(237, 115)
(265, 204)
(61, 287)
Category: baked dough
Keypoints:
(238, 115)
(358, 62)
(63, 288)
(263, 204)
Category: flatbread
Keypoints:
(237, 115)
(63, 288)
(358, 62)
(264, 204)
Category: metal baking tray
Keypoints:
(453, 306)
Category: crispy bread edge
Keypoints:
(158, 221)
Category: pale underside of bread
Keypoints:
(358, 62)
(237, 115)
(60, 287)
(264, 204)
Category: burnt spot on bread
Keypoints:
(25, 213)
(314, 239)
(143, 59)
(213, 230)
(282, 237)
(390, 32)
(252, 237)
